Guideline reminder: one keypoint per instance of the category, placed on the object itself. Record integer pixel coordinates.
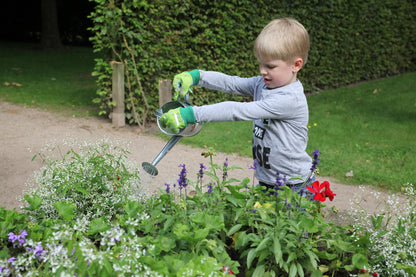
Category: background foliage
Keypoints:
(351, 41)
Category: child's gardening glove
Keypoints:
(177, 119)
(183, 82)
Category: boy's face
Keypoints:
(278, 73)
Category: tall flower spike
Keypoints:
(225, 169)
(167, 188)
(278, 183)
(201, 170)
(315, 161)
(182, 177)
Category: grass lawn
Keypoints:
(368, 129)
(52, 80)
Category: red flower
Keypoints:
(227, 270)
(328, 192)
(321, 196)
(316, 189)
(375, 274)
(363, 270)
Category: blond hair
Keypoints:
(282, 39)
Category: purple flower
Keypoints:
(38, 250)
(167, 188)
(182, 177)
(278, 183)
(315, 161)
(20, 238)
(201, 170)
(254, 166)
(11, 260)
(210, 188)
(225, 169)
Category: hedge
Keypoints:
(351, 41)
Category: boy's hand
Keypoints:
(183, 82)
(177, 119)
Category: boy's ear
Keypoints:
(297, 65)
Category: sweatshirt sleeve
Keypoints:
(272, 104)
(229, 84)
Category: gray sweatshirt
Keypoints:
(280, 118)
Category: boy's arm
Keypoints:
(227, 83)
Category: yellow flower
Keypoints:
(315, 124)
(267, 205)
(257, 205)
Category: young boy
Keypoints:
(279, 111)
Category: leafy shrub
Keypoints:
(82, 173)
(391, 232)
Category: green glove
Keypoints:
(177, 119)
(183, 82)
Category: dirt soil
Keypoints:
(24, 131)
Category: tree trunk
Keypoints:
(50, 29)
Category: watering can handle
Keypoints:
(186, 96)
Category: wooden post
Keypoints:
(118, 117)
(165, 91)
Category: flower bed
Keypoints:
(87, 216)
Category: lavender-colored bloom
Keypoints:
(315, 161)
(210, 188)
(278, 183)
(20, 238)
(39, 251)
(201, 170)
(182, 177)
(11, 260)
(167, 188)
(254, 211)
(225, 169)
(254, 166)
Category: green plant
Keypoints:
(391, 232)
(69, 185)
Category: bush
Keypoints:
(70, 184)
(351, 41)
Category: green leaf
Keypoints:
(98, 225)
(293, 270)
(34, 201)
(234, 229)
(316, 273)
(407, 268)
(259, 271)
(201, 234)
(300, 270)
(359, 260)
(65, 209)
(263, 244)
(277, 250)
(250, 257)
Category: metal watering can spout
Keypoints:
(188, 131)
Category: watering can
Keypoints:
(189, 131)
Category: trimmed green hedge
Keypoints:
(351, 41)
